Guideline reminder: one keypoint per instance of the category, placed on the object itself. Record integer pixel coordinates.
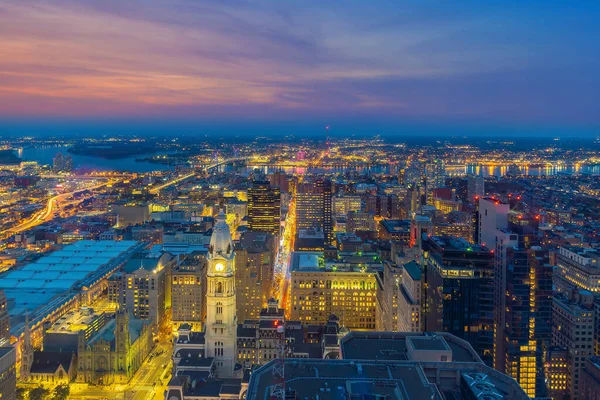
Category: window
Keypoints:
(219, 287)
(219, 308)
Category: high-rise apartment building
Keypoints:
(409, 298)
(492, 216)
(342, 205)
(145, 291)
(383, 206)
(280, 180)
(475, 187)
(264, 208)
(573, 330)
(522, 313)
(459, 279)
(435, 177)
(188, 291)
(317, 291)
(387, 297)
(360, 221)
(589, 382)
(4, 321)
(254, 262)
(314, 207)
(8, 373)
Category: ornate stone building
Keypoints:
(114, 353)
(221, 320)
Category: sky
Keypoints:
(349, 64)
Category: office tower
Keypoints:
(572, 330)
(8, 373)
(387, 297)
(280, 180)
(264, 208)
(459, 291)
(522, 313)
(435, 177)
(313, 207)
(346, 291)
(62, 163)
(589, 383)
(556, 372)
(577, 268)
(475, 187)
(221, 321)
(360, 221)
(492, 215)
(254, 263)
(409, 299)
(420, 228)
(4, 321)
(146, 287)
(402, 176)
(383, 206)
(188, 290)
(462, 230)
(342, 205)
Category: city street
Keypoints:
(149, 382)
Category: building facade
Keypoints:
(114, 353)
(221, 320)
(459, 278)
(317, 291)
(264, 208)
(254, 263)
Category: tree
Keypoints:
(61, 392)
(39, 393)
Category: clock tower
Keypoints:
(221, 320)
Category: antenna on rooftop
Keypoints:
(278, 389)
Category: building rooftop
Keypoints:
(75, 321)
(52, 280)
(414, 270)
(343, 379)
(396, 225)
(457, 243)
(392, 346)
(306, 260)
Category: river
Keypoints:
(44, 155)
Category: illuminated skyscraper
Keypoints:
(492, 215)
(313, 207)
(522, 313)
(476, 187)
(254, 261)
(572, 330)
(435, 177)
(459, 291)
(264, 208)
(4, 321)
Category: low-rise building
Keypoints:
(115, 352)
(319, 290)
(384, 365)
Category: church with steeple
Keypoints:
(221, 320)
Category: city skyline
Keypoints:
(356, 67)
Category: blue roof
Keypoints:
(414, 270)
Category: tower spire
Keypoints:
(26, 350)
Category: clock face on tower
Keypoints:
(219, 267)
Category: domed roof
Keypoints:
(220, 241)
